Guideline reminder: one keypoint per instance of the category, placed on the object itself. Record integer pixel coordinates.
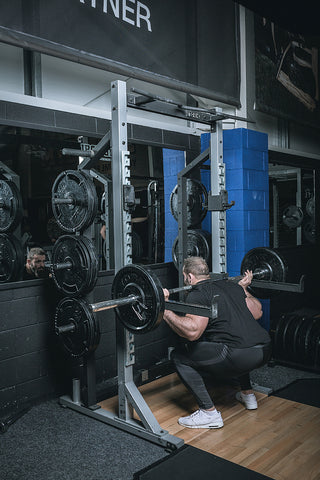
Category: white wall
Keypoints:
(11, 69)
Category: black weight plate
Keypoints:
(197, 201)
(86, 335)
(77, 188)
(81, 276)
(141, 317)
(11, 258)
(300, 339)
(198, 245)
(292, 216)
(268, 260)
(278, 337)
(312, 341)
(289, 337)
(10, 206)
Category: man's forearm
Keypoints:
(182, 325)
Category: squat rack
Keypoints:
(129, 397)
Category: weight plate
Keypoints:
(309, 231)
(268, 261)
(11, 258)
(300, 339)
(146, 314)
(197, 201)
(312, 341)
(289, 337)
(10, 206)
(81, 276)
(85, 336)
(310, 207)
(292, 216)
(198, 245)
(74, 201)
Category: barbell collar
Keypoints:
(114, 303)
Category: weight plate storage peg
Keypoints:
(76, 327)
(197, 202)
(11, 258)
(10, 206)
(146, 313)
(74, 265)
(74, 200)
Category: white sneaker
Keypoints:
(249, 400)
(202, 419)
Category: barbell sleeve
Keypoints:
(114, 303)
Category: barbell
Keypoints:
(138, 299)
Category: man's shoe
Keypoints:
(249, 401)
(202, 419)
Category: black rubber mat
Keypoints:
(306, 390)
(190, 463)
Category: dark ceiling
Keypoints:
(294, 16)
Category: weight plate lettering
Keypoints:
(197, 201)
(84, 337)
(81, 276)
(10, 206)
(74, 201)
(146, 314)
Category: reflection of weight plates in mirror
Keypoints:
(292, 216)
(198, 245)
(197, 201)
(74, 201)
(310, 207)
(74, 265)
(10, 206)
(309, 231)
(11, 258)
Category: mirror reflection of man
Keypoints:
(35, 264)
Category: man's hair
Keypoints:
(196, 265)
(35, 251)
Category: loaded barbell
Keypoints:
(138, 299)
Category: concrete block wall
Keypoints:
(245, 154)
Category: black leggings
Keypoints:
(219, 360)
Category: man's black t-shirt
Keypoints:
(235, 326)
